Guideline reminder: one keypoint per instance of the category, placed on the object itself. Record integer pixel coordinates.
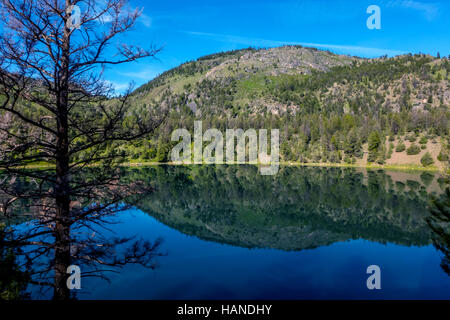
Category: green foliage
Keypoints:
(427, 178)
(13, 281)
(411, 138)
(442, 156)
(390, 150)
(439, 224)
(352, 144)
(374, 145)
(423, 140)
(231, 199)
(400, 147)
(427, 160)
(413, 150)
(318, 113)
(163, 151)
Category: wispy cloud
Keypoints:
(119, 87)
(428, 9)
(108, 16)
(145, 74)
(257, 42)
(145, 20)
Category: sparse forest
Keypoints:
(340, 110)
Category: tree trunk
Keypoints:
(62, 219)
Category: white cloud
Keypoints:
(106, 18)
(119, 87)
(145, 20)
(256, 42)
(429, 10)
(146, 74)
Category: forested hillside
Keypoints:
(329, 108)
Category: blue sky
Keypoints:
(188, 30)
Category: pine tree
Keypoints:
(374, 145)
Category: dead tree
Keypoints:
(55, 109)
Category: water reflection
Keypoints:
(439, 223)
(37, 246)
(297, 209)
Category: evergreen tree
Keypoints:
(374, 144)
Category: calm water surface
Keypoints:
(306, 233)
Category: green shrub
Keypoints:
(390, 150)
(334, 157)
(413, 185)
(427, 160)
(374, 140)
(442, 156)
(400, 147)
(411, 138)
(423, 140)
(423, 146)
(347, 159)
(413, 150)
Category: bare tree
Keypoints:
(55, 109)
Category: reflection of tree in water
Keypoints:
(296, 209)
(13, 280)
(28, 243)
(439, 222)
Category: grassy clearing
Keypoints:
(400, 167)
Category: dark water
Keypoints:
(305, 233)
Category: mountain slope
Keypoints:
(325, 105)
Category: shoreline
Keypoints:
(394, 167)
(400, 167)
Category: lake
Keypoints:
(306, 233)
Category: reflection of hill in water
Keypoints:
(296, 209)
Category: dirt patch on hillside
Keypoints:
(403, 158)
